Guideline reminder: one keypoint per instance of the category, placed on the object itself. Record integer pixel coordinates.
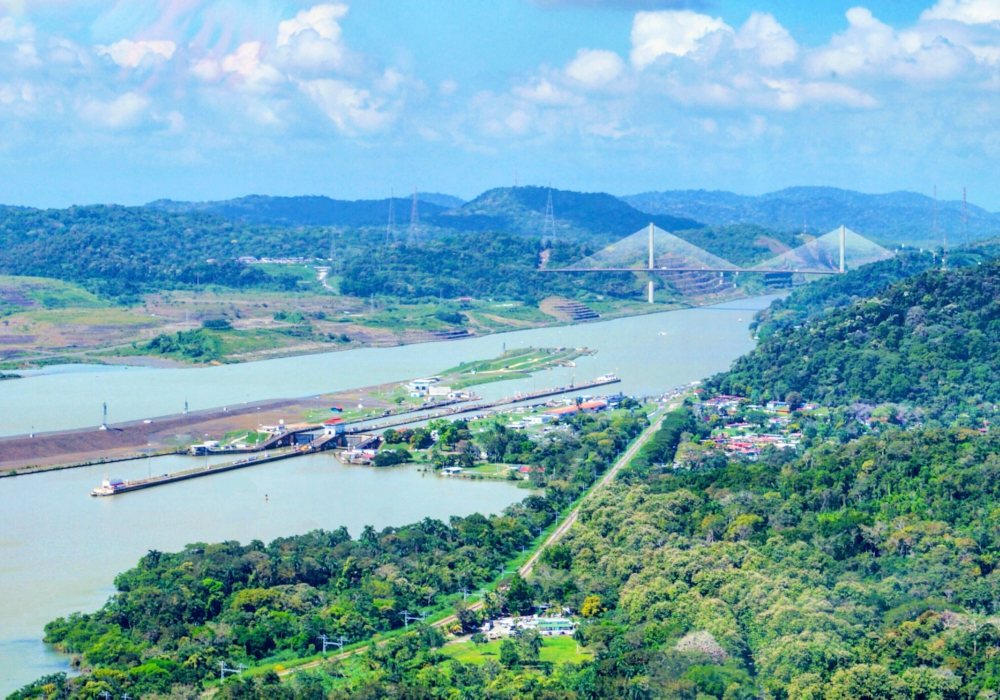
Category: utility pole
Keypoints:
(339, 642)
(223, 670)
(408, 616)
(651, 262)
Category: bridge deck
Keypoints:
(691, 269)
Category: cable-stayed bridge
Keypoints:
(655, 251)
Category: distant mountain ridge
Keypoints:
(308, 210)
(593, 217)
(895, 217)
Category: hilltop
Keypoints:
(927, 341)
(896, 217)
(593, 217)
(311, 210)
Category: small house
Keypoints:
(334, 426)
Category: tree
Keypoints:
(508, 654)
(794, 400)
(520, 597)
(468, 618)
(529, 646)
(592, 606)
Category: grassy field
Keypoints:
(555, 650)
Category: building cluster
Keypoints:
(546, 626)
(749, 439)
(431, 387)
(250, 260)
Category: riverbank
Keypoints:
(151, 437)
(50, 568)
(257, 336)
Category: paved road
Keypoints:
(526, 568)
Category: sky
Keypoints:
(128, 101)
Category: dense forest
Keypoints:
(176, 616)
(928, 341)
(860, 565)
(477, 265)
(811, 301)
(123, 252)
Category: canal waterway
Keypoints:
(60, 549)
(650, 353)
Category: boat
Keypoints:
(109, 487)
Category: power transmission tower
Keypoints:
(338, 642)
(944, 234)
(223, 670)
(549, 227)
(390, 230)
(414, 220)
(965, 216)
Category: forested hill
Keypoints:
(896, 217)
(579, 216)
(121, 251)
(593, 217)
(310, 211)
(837, 291)
(928, 341)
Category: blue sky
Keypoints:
(132, 100)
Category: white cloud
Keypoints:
(518, 122)
(11, 32)
(447, 87)
(207, 69)
(965, 11)
(321, 19)
(175, 122)
(246, 62)
(9, 94)
(869, 46)
(129, 54)
(353, 110)
(670, 32)
(773, 43)
(791, 94)
(595, 67)
(313, 39)
(542, 91)
(123, 112)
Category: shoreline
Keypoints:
(88, 359)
